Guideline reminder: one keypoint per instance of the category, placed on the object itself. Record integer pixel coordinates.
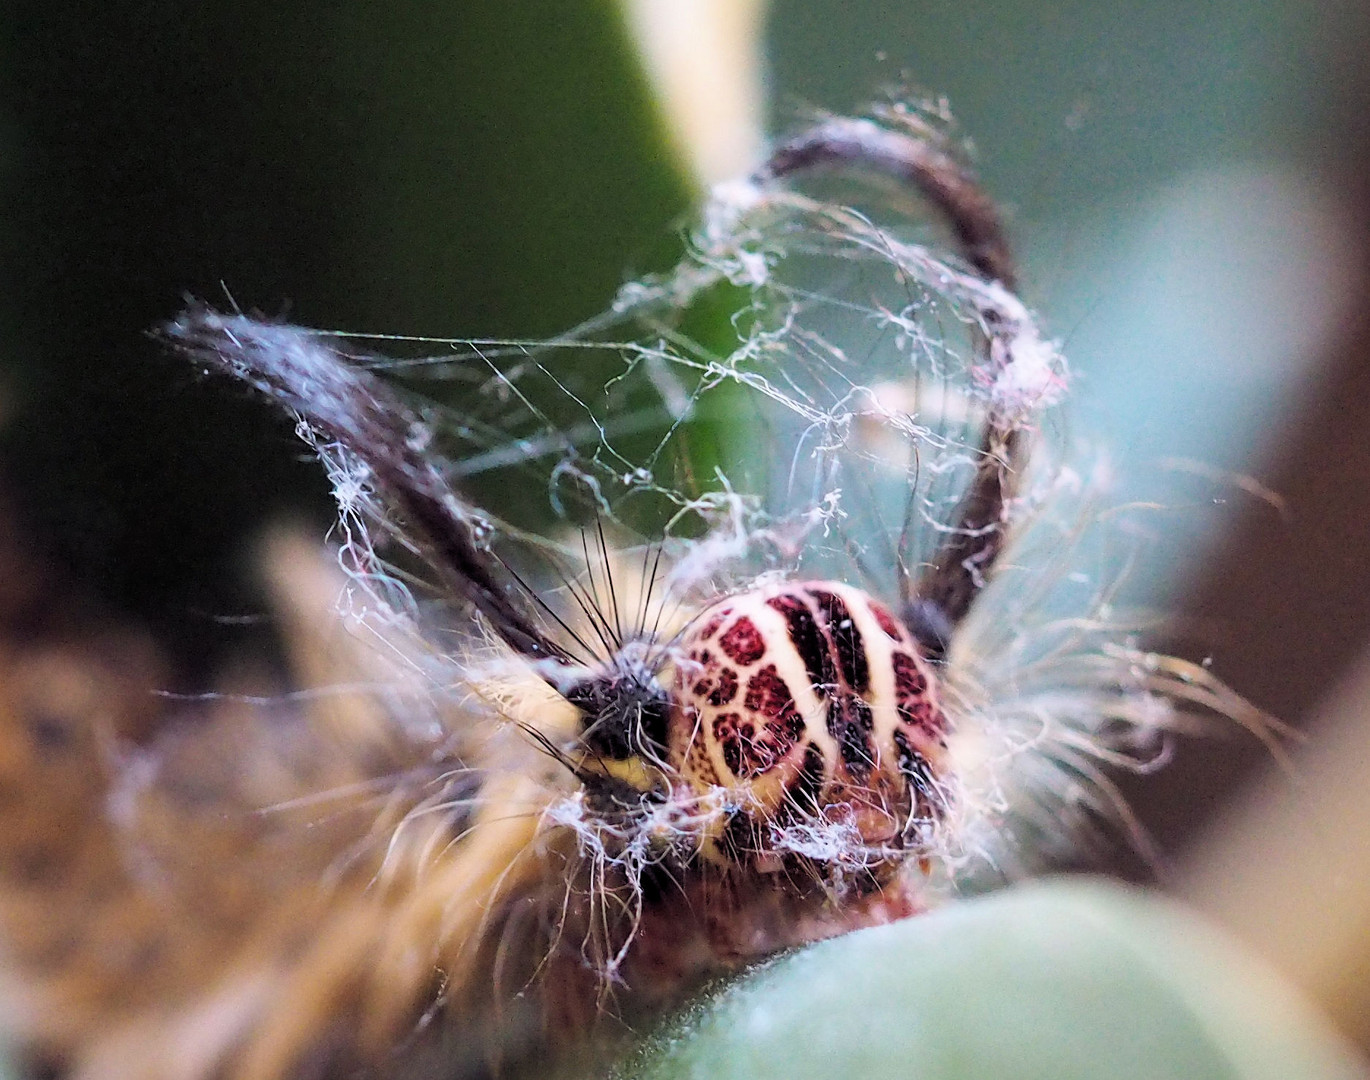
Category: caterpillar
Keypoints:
(539, 778)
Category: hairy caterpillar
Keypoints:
(543, 777)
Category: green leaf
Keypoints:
(431, 168)
(1053, 981)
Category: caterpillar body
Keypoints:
(557, 783)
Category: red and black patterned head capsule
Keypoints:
(810, 699)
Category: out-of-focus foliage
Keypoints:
(1056, 981)
(440, 168)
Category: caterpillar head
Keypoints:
(809, 701)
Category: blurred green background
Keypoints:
(1049, 981)
(471, 169)
(436, 169)
(1178, 176)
